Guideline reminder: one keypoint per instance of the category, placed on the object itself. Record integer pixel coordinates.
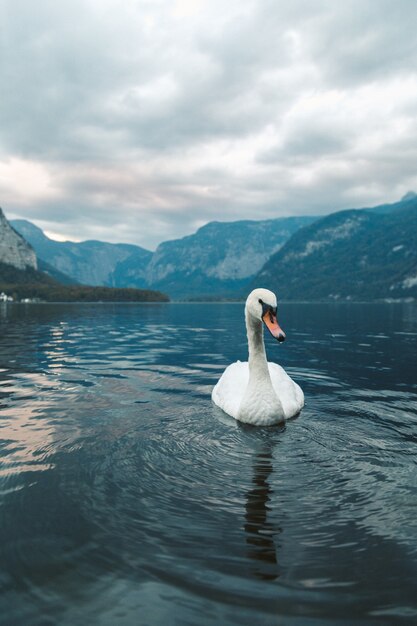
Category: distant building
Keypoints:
(30, 300)
(5, 298)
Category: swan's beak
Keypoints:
(271, 322)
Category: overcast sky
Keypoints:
(141, 120)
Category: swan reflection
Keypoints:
(260, 534)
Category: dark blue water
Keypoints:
(128, 498)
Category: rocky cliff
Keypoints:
(14, 250)
(220, 258)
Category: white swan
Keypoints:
(258, 392)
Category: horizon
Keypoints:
(150, 120)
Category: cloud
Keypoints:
(140, 121)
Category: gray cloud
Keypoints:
(141, 121)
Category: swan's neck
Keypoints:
(258, 366)
(260, 404)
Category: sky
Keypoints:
(141, 120)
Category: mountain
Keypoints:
(44, 267)
(354, 254)
(89, 262)
(21, 277)
(18, 262)
(217, 260)
(220, 258)
(14, 250)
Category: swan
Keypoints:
(257, 392)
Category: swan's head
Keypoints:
(262, 305)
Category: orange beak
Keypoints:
(271, 322)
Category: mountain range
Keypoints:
(24, 276)
(356, 254)
(220, 258)
(89, 262)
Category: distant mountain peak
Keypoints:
(410, 195)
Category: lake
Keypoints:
(126, 497)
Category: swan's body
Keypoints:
(257, 392)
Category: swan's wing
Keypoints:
(289, 393)
(228, 392)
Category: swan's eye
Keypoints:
(260, 301)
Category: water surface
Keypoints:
(126, 497)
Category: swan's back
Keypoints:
(230, 389)
(289, 393)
